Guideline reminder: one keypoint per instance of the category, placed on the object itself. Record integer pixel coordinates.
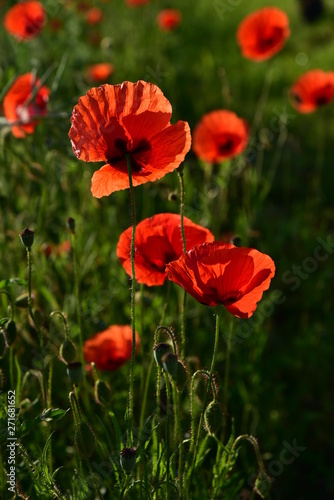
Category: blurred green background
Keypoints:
(280, 202)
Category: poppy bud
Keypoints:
(262, 484)
(159, 350)
(170, 364)
(102, 392)
(27, 237)
(22, 300)
(3, 344)
(74, 371)
(181, 376)
(128, 459)
(213, 417)
(71, 224)
(85, 439)
(67, 351)
(10, 331)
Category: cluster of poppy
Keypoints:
(130, 122)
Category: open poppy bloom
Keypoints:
(169, 19)
(20, 107)
(100, 72)
(158, 241)
(111, 348)
(263, 33)
(220, 135)
(312, 90)
(94, 15)
(25, 20)
(221, 273)
(113, 122)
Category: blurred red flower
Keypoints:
(100, 72)
(94, 15)
(220, 273)
(169, 19)
(220, 135)
(111, 348)
(25, 20)
(133, 119)
(312, 90)
(263, 33)
(20, 107)
(158, 241)
(135, 3)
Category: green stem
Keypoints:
(183, 300)
(215, 348)
(40, 333)
(167, 434)
(77, 297)
(133, 291)
(178, 435)
(227, 372)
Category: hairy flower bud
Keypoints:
(128, 459)
(85, 439)
(67, 351)
(213, 417)
(27, 237)
(160, 350)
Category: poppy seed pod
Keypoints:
(170, 364)
(213, 417)
(160, 350)
(128, 459)
(27, 237)
(10, 331)
(84, 439)
(67, 351)
(74, 371)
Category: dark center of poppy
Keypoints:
(267, 41)
(226, 147)
(134, 152)
(232, 297)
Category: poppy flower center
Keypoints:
(231, 297)
(226, 146)
(134, 151)
(266, 42)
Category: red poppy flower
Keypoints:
(312, 90)
(25, 20)
(111, 348)
(263, 33)
(158, 241)
(133, 119)
(94, 15)
(220, 273)
(169, 19)
(18, 106)
(100, 72)
(135, 3)
(220, 135)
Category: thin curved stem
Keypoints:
(215, 348)
(133, 291)
(183, 300)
